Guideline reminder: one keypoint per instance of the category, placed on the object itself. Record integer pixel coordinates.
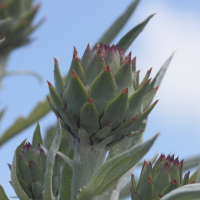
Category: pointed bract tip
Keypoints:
(193, 182)
(149, 179)
(95, 47)
(156, 88)
(99, 53)
(75, 52)
(166, 165)
(47, 98)
(125, 91)
(31, 162)
(49, 84)
(145, 162)
(110, 124)
(132, 176)
(9, 166)
(88, 47)
(74, 74)
(153, 14)
(149, 80)
(134, 60)
(37, 6)
(187, 174)
(149, 71)
(107, 68)
(134, 119)
(155, 102)
(174, 182)
(55, 60)
(90, 100)
(138, 72)
(64, 108)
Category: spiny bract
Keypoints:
(101, 94)
(165, 176)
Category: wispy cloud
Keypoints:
(168, 31)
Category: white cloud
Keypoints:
(170, 30)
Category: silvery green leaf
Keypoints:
(65, 190)
(159, 76)
(23, 72)
(187, 192)
(14, 171)
(116, 27)
(66, 158)
(113, 169)
(3, 195)
(191, 162)
(48, 194)
(128, 39)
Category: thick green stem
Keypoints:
(85, 167)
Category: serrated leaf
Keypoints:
(14, 170)
(116, 27)
(127, 39)
(113, 169)
(187, 192)
(3, 195)
(48, 193)
(159, 76)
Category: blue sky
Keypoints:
(75, 23)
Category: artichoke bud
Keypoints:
(101, 88)
(19, 27)
(162, 178)
(31, 167)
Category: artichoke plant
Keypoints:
(100, 103)
(31, 167)
(165, 176)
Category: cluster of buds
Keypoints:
(155, 182)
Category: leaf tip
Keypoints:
(90, 100)
(107, 68)
(49, 84)
(74, 74)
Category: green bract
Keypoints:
(101, 94)
(155, 182)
